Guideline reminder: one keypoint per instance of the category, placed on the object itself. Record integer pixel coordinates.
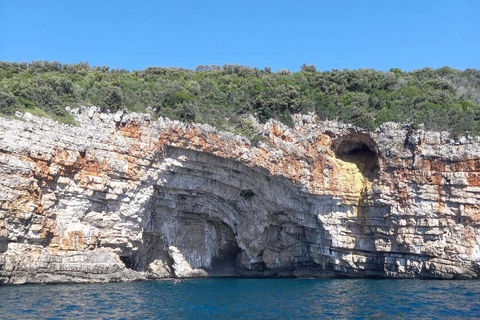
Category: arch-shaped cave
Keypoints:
(360, 149)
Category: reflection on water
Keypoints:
(244, 298)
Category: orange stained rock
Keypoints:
(42, 170)
(466, 166)
(36, 199)
(262, 155)
(130, 130)
(473, 212)
(279, 133)
(73, 240)
(317, 176)
(18, 206)
(437, 165)
(48, 228)
(68, 158)
(468, 239)
(403, 196)
(434, 178)
(474, 179)
(324, 140)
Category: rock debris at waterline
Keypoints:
(123, 198)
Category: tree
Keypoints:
(114, 98)
(396, 71)
(7, 102)
(308, 68)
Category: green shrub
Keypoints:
(7, 102)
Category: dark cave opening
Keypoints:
(358, 151)
(225, 263)
(128, 262)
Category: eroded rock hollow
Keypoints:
(123, 197)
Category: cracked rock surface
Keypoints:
(123, 197)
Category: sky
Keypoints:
(279, 34)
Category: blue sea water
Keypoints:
(245, 299)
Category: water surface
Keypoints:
(244, 299)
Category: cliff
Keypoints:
(123, 197)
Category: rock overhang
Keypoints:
(328, 199)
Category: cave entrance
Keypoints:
(359, 149)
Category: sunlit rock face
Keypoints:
(123, 197)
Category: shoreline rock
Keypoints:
(123, 198)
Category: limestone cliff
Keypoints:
(123, 198)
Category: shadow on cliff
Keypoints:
(229, 219)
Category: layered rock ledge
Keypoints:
(123, 198)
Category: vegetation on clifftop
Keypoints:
(442, 99)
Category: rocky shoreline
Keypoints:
(123, 197)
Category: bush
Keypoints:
(7, 102)
(114, 98)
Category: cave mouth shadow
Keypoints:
(360, 151)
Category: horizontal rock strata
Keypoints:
(123, 197)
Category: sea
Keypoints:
(229, 298)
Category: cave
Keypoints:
(129, 262)
(360, 150)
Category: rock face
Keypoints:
(125, 198)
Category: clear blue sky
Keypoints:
(279, 34)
